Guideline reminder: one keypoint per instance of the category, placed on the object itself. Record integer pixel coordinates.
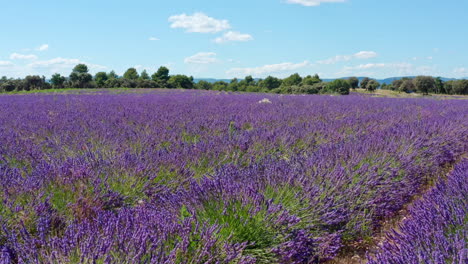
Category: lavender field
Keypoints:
(174, 176)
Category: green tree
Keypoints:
(364, 82)
(144, 75)
(204, 85)
(112, 75)
(372, 85)
(80, 78)
(100, 79)
(34, 82)
(339, 86)
(271, 83)
(311, 80)
(424, 84)
(57, 81)
(131, 74)
(439, 85)
(407, 86)
(161, 76)
(353, 82)
(294, 79)
(180, 81)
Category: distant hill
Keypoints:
(382, 81)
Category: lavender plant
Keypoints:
(210, 177)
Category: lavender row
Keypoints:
(201, 177)
(436, 228)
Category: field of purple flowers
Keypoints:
(205, 177)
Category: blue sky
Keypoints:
(224, 39)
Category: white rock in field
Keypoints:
(264, 101)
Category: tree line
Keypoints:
(294, 84)
(420, 84)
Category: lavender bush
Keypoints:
(205, 177)
(436, 229)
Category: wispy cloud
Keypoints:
(313, 2)
(17, 56)
(202, 58)
(232, 36)
(6, 63)
(43, 47)
(198, 23)
(268, 69)
(339, 58)
(153, 38)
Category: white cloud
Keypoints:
(387, 70)
(201, 58)
(61, 65)
(313, 2)
(199, 23)
(17, 56)
(365, 55)
(366, 66)
(267, 69)
(153, 38)
(43, 47)
(360, 55)
(461, 72)
(6, 63)
(233, 36)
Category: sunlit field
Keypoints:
(183, 176)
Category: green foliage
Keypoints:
(131, 74)
(270, 83)
(372, 85)
(161, 76)
(180, 81)
(364, 83)
(57, 81)
(204, 85)
(424, 84)
(338, 86)
(294, 79)
(144, 75)
(353, 82)
(100, 78)
(80, 78)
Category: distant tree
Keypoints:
(372, 85)
(112, 75)
(364, 82)
(161, 76)
(220, 86)
(271, 83)
(424, 84)
(439, 85)
(9, 85)
(407, 86)
(144, 75)
(131, 74)
(100, 79)
(180, 81)
(204, 85)
(57, 81)
(34, 82)
(339, 86)
(311, 80)
(460, 87)
(397, 84)
(353, 82)
(113, 83)
(294, 79)
(233, 85)
(80, 78)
